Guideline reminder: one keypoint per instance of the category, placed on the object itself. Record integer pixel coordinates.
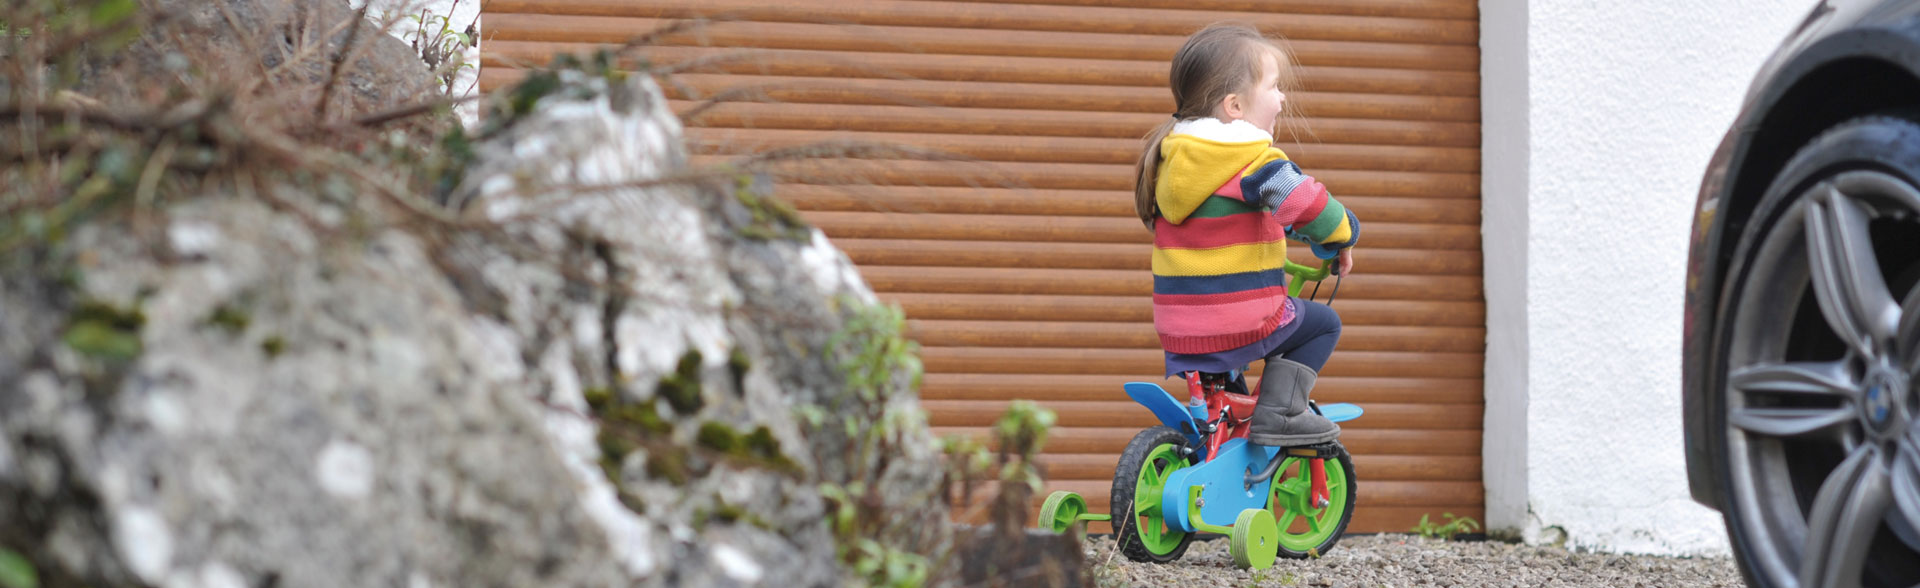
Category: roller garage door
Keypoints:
(1026, 276)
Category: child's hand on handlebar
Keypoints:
(1346, 262)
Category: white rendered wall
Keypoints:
(1597, 121)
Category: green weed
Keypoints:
(1454, 526)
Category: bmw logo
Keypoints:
(1879, 404)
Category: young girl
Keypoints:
(1221, 200)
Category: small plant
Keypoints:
(16, 571)
(1264, 578)
(878, 363)
(442, 47)
(1454, 526)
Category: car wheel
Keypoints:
(1818, 447)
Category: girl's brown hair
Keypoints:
(1222, 59)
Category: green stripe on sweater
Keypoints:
(1216, 207)
(1324, 225)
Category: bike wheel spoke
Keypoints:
(1287, 485)
(1846, 513)
(1286, 520)
(1846, 277)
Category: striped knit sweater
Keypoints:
(1227, 202)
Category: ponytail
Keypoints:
(1147, 173)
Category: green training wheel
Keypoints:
(1061, 510)
(1256, 539)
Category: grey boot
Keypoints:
(1281, 418)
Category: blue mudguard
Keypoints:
(1223, 486)
(1340, 413)
(1164, 407)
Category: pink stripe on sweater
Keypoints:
(1231, 189)
(1304, 203)
(1221, 298)
(1212, 328)
(1214, 233)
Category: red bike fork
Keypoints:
(1321, 497)
(1200, 393)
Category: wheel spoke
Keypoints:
(1846, 514)
(1819, 380)
(1825, 378)
(1906, 478)
(1791, 422)
(1909, 334)
(1289, 486)
(1846, 277)
(1286, 520)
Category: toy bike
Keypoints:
(1196, 471)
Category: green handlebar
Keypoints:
(1302, 274)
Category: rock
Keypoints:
(293, 42)
(569, 387)
(1029, 557)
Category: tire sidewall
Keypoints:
(1126, 476)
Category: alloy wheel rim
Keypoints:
(1807, 526)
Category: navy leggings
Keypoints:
(1312, 343)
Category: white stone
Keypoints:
(114, 484)
(566, 391)
(418, 579)
(144, 543)
(6, 455)
(736, 564)
(627, 534)
(344, 469)
(499, 350)
(214, 483)
(217, 574)
(193, 238)
(573, 435)
(166, 413)
(831, 271)
(586, 327)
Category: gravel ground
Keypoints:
(1373, 561)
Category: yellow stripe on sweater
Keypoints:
(1341, 233)
(1233, 259)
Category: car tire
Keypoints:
(1802, 446)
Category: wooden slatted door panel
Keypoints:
(1022, 270)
